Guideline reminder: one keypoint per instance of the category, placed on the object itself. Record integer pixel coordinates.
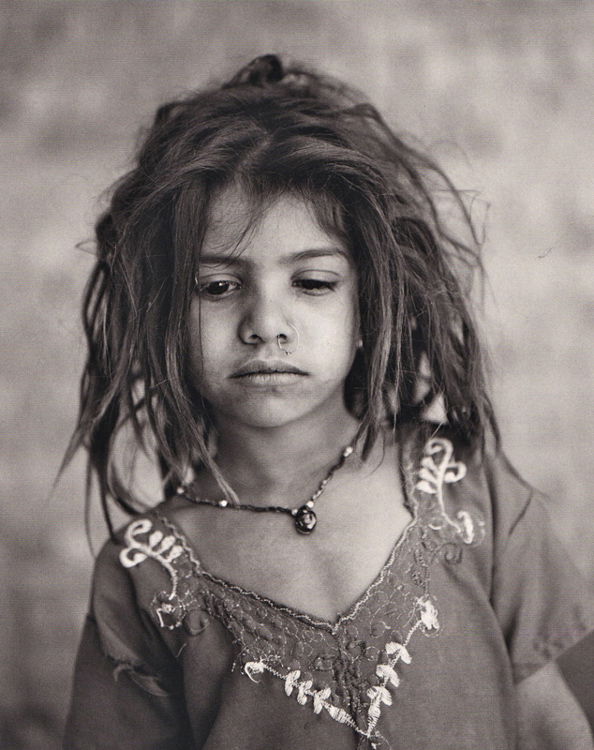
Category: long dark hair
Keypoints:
(273, 130)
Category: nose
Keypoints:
(265, 319)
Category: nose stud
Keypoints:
(282, 340)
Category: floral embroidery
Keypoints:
(165, 550)
(438, 467)
(350, 669)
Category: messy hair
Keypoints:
(273, 130)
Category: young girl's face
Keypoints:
(285, 281)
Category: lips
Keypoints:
(267, 369)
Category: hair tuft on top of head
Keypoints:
(261, 71)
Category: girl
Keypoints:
(344, 558)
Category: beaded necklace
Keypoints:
(304, 516)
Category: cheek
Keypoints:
(336, 337)
(208, 333)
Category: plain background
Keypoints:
(501, 93)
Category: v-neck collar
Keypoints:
(408, 464)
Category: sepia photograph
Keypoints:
(298, 366)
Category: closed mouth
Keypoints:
(264, 368)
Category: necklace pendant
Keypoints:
(305, 520)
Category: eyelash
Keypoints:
(310, 287)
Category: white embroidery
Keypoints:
(393, 648)
(379, 694)
(428, 614)
(319, 698)
(252, 668)
(437, 467)
(304, 690)
(291, 680)
(159, 547)
(163, 549)
(387, 673)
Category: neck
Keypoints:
(282, 462)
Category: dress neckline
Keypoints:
(408, 464)
(295, 613)
(349, 666)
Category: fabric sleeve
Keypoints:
(540, 598)
(127, 687)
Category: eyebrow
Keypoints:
(285, 260)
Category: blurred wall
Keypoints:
(503, 95)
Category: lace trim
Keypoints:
(349, 669)
(377, 694)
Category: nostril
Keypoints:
(254, 338)
(264, 322)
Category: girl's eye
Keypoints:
(315, 287)
(217, 289)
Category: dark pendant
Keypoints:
(305, 520)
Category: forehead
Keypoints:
(286, 224)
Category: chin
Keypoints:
(273, 411)
(275, 407)
(266, 416)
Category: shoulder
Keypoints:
(122, 612)
(138, 573)
(481, 477)
(135, 561)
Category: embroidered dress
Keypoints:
(475, 596)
